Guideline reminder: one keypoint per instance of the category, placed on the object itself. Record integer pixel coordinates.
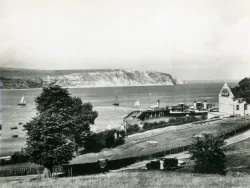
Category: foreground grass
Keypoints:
(138, 179)
(238, 156)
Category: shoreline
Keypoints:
(93, 86)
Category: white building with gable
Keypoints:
(229, 105)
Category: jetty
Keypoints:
(198, 109)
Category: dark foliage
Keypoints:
(242, 90)
(208, 154)
(133, 129)
(106, 139)
(172, 121)
(19, 157)
(47, 145)
(94, 142)
(61, 125)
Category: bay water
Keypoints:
(12, 115)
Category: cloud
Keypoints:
(171, 36)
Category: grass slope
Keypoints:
(137, 179)
(238, 156)
(163, 139)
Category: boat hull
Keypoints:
(20, 104)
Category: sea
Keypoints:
(109, 116)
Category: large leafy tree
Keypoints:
(243, 90)
(207, 152)
(61, 125)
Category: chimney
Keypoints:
(205, 105)
(195, 104)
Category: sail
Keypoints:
(137, 103)
(22, 100)
(108, 127)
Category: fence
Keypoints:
(22, 171)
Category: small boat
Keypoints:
(15, 136)
(22, 102)
(13, 128)
(137, 104)
(116, 103)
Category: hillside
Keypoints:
(27, 78)
(143, 179)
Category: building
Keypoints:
(229, 105)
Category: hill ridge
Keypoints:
(14, 78)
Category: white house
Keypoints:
(229, 105)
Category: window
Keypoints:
(245, 107)
(237, 107)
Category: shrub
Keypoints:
(19, 157)
(155, 125)
(208, 154)
(94, 142)
(133, 129)
(106, 139)
(113, 138)
(171, 121)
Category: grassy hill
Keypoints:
(159, 140)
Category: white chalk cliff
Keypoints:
(23, 78)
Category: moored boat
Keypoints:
(137, 103)
(22, 102)
(116, 103)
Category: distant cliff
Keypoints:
(11, 78)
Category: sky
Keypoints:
(190, 39)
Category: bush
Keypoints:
(19, 157)
(94, 142)
(172, 121)
(155, 125)
(113, 138)
(208, 154)
(106, 139)
(133, 129)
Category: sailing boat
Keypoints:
(22, 102)
(137, 104)
(116, 103)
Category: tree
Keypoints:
(242, 90)
(76, 116)
(208, 154)
(59, 128)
